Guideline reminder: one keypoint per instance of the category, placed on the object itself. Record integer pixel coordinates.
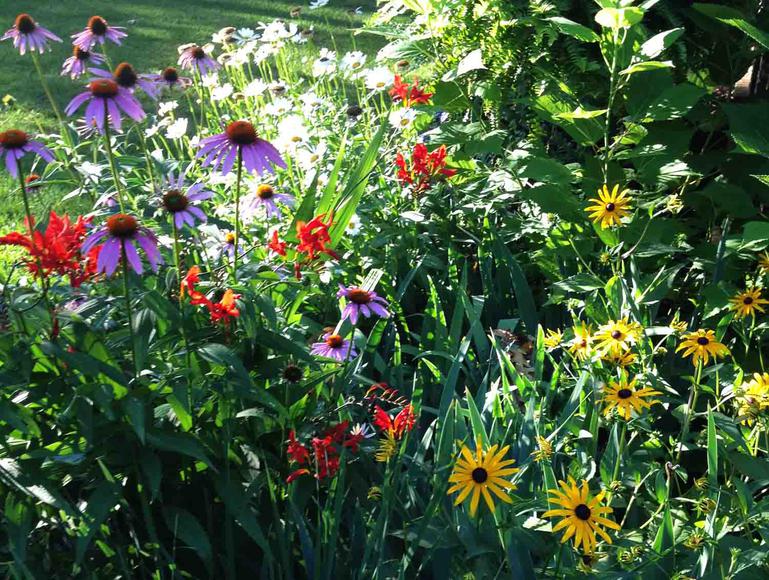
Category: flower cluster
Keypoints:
(392, 430)
(424, 169)
(225, 310)
(322, 460)
(57, 248)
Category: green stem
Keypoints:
(693, 395)
(112, 165)
(31, 227)
(129, 310)
(237, 215)
(618, 460)
(48, 93)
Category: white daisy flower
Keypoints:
(221, 93)
(167, 107)
(291, 133)
(402, 118)
(315, 4)
(325, 64)
(243, 35)
(177, 129)
(309, 157)
(279, 106)
(353, 227)
(353, 61)
(379, 78)
(255, 88)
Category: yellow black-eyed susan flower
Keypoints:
(617, 336)
(609, 207)
(582, 514)
(481, 474)
(763, 262)
(626, 398)
(701, 345)
(753, 398)
(581, 343)
(748, 303)
(553, 339)
(620, 359)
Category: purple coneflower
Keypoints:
(126, 77)
(179, 202)
(170, 79)
(28, 34)
(265, 197)
(75, 66)
(106, 98)
(122, 233)
(97, 31)
(195, 58)
(14, 144)
(360, 301)
(228, 246)
(334, 346)
(239, 138)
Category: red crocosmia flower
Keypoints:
(338, 431)
(326, 457)
(296, 474)
(57, 249)
(298, 452)
(276, 245)
(189, 281)
(425, 168)
(353, 441)
(403, 422)
(223, 311)
(314, 237)
(226, 309)
(409, 94)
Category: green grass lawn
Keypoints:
(155, 28)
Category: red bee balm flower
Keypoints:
(409, 94)
(276, 245)
(223, 311)
(426, 168)
(57, 249)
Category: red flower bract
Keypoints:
(57, 249)
(276, 245)
(223, 311)
(403, 422)
(426, 168)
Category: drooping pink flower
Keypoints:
(361, 302)
(106, 99)
(29, 35)
(239, 138)
(97, 31)
(76, 65)
(334, 346)
(120, 235)
(14, 144)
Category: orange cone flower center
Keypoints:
(125, 75)
(97, 25)
(25, 24)
(175, 201)
(104, 88)
(241, 133)
(335, 341)
(121, 225)
(13, 139)
(359, 296)
(170, 75)
(265, 191)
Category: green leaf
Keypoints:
(571, 28)
(712, 454)
(99, 504)
(734, 18)
(672, 103)
(749, 126)
(184, 443)
(658, 43)
(185, 526)
(646, 66)
(616, 18)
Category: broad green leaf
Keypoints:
(616, 18)
(646, 66)
(734, 18)
(749, 126)
(573, 29)
(185, 526)
(658, 43)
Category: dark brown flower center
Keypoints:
(354, 111)
(125, 75)
(13, 139)
(175, 201)
(97, 25)
(402, 63)
(265, 191)
(80, 54)
(25, 24)
(359, 296)
(104, 88)
(293, 373)
(241, 133)
(582, 512)
(624, 393)
(703, 341)
(616, 334)
(610, 207)
(170, 75)
(479, 475)
(747, 301)
(583, 343)
(121, 225)
(229, 238)
(335, 341)
(198, 53)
